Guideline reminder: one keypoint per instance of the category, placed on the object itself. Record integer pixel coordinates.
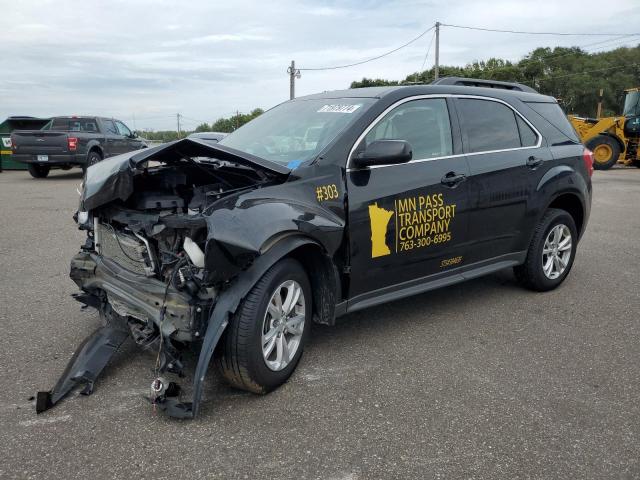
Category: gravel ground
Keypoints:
(480, 380)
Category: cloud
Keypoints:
(216, 38)
(205, 59)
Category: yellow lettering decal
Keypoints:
(420, 221)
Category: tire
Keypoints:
(93, 158)
(39, 171)
(606, 151)
(241, 359)
(532, 273)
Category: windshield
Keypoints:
(632, 104)
(294, 132)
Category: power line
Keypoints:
(586, 72)
(428, 50)
(553, 57)
(373, 58)
(590, 34)
(616, 43)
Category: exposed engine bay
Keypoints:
(146, 265)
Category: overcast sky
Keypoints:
(206, 59)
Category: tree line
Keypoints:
(223, 124)
(571, 75)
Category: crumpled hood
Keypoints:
(112, 179)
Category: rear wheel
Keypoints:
(265, 339)
(39, 171)
(606, 151)
(93, 158)
(551, 252)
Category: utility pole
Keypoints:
(178, 119)
(293, 74)
(599, 111)
(437, 66)
(237, 122)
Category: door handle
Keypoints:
(452, 179)
(534, 162)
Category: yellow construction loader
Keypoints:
(612, 139)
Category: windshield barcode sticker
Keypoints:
(338, 108)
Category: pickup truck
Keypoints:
(72, 141)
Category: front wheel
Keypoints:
(551, 252)
(265, 339)
(39, 171)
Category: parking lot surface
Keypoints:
(480, 380)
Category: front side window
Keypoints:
(424, 124)
(122, 129)
(110, 127)
(488, 125)
(297, 131)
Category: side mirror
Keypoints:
(134, 134)
(384, 152)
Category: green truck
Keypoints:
(8, 126)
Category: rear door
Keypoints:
(506, 161)
(405, 221)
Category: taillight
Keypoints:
(72, 143)
(587, 156)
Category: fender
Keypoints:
(226, 306)
(242, 228)
(565, 180)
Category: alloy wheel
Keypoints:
(283, 325)
(556, 252)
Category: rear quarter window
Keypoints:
(553, 114)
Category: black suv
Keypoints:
(321, 206)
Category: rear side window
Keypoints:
(423, 123)
(553, 114)
(488, 125)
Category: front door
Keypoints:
(408, 221)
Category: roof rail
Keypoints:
(478, 82)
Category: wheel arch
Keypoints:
(572, 204)
(323, 277)
(95, 147)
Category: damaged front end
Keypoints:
(152, 266)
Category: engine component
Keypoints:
(196, 255)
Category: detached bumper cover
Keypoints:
(85, 365)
